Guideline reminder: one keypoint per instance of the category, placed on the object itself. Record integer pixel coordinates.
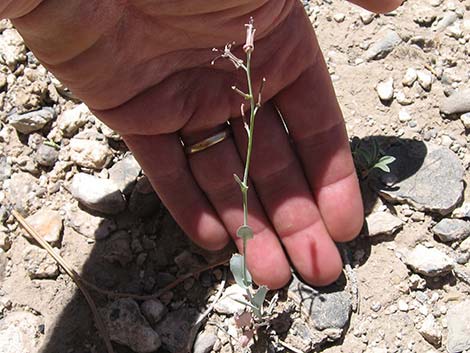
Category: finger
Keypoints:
(317, 129)
(287, 199)
(213, 168)
(378, 6)
(165, 164)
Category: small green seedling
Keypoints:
(255, 299)
(369, 156)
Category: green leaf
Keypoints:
(245, 303)
(236, 266)
(382, 167)
(383, 163)
(258, 300)
(245, 232)
(387, 159)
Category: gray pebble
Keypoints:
(450, 230)
(46, 155)
(384, 42)
(458, 323)
(153, 310)
(26, 123)
(457, 103)
(429, 262)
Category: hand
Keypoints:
(143, 67)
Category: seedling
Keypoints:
(242, 276)
(369, 156)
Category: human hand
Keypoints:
(144, 68)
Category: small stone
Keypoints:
(366, 16)
(424, 16)
(128, 327)
(3, 265)
(227, 304)
(153, 310)
(32, 121)
(5, 168)
(12, 48)
(410, 77)
(404, 116)
(118, 249)
(458, 323)
(402, 99)
(90, 153)
(339, 17)
(429, 262)
(39, 264)
(450, 230)
(101, 195)
(430, 177)
(175, 327)
(447, 20)
(456, 103)
(384, 42)
(454, 31)
(144, 201)
(124, 173)
(430, 331)
(463, 211)
(465, 245)
(425, 79)
(204, 342)
(382, 223)
(446, 141)
(21, 191)
(88, 225)
(46, 155)
(18, 331)
(5, 242)
(465, 119)
(385, 90)
(403, 306)
(48, 224)
(70, 121)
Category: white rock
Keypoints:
(98, 194)
(366, 16)
(38, 263)
(465, 245)
(402, 99)
(48, 224)
(410, 77)
(339, 17)
(402, 305)
(465, 119)
(425, 79)
(430, 330)
(90, 153)
(227, 305)
(458, 322)
(124, 173)
(73, 119)
(385, 90)
(429, 262)
(18, 331)
(12, 48)
(382, 223)
(404, 116)
(455, 31)
(32, 121)
(463, 211)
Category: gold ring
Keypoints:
(207, 142)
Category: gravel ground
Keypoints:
(402, 80)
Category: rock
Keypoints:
(101, 195)
(429, 262)
(456, 103)
(227, 304)
(204, 342)
(124, 173)
(385, 90)
(425, 79)
(429, 177)
(448, 19)
(88, 225)
(47, 155)
(465, 119)
(48, 224)
(450, 230)
(153, 310)
(118, 249)
(410, 77)
(70, 121)
(21, 191)
(90, 153)
(403, 306)
(328, 309)
(175, 327)
(384, 42)
(339, 17)
(128, 327)
(465, 245)
(463, 211)
(430, 330)
(144, 201)
(3, 265)
(458, 323)
(404, 116)
(366, 16)
(424, 16)
(454, 31)
(18, 331)
(12, 48)
(5, 168)
(106, 131)
(382, 223)
(5, 242)
(402, 99)
(26, 123)
(39, 264)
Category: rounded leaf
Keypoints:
(245, 232)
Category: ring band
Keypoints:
(207, 142)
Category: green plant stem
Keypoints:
(244, 187)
